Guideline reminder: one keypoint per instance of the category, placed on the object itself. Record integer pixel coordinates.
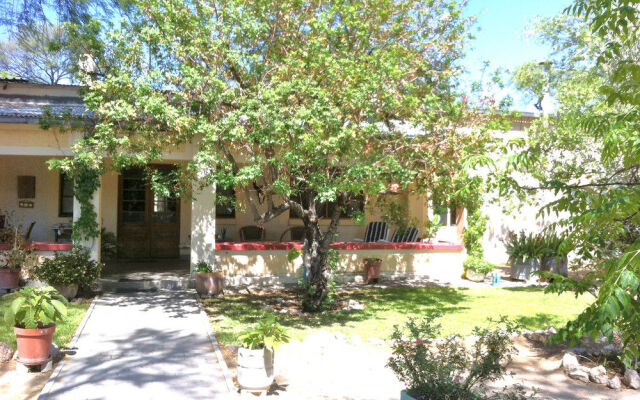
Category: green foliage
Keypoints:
(524, 246)
(85, 169)
(587, 156)
(67, 268)
(474, 232)
(297, 104)
(446, 368)
(202, 267)
(34, 308)
(267, 334)
(477, 264)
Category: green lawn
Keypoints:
(64, 332)
(461, 309)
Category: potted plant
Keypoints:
(554, 255)
(476, 268)
(208, 281)
(13, 260)
(69, 271)
(372, 269)
(525, 251)
(256, 354)
(34, 313)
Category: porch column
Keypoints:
(203, 226)
(92, 244)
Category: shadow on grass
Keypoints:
(539, 321)
(244, 310)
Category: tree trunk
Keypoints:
(315, 259)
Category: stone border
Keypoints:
(44, 393)
(231, 387)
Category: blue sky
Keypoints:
(500, 35)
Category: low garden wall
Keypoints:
(266, 262)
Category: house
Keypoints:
(148, 225)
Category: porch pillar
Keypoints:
(92, 244)
(203, 226)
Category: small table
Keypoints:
(62, 233)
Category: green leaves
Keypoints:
(267, 334)
(36, 307)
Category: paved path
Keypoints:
(142, 346)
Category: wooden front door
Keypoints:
(148, 223)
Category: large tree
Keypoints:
(587, 153)
(35, 53)
(294, 103)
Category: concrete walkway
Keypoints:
(141, 346)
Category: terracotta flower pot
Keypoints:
(34, 345)
(68, 291)
(9, 278)
(209, 283)
(372, 269)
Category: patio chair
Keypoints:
(295, 232)
(251, 233)
(377, 231)
(403, 235)
(27, 235)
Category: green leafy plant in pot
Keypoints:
(69, 271)
(256, 355)
(525, 251)
(476, 268)
(34, 313)
(12, 260)
(208, 281)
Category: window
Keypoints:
(66, 196)
(448, 215)
(325, 209)
(225, 203)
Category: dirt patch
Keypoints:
(20, 386)
(330, 367)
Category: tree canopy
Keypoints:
(587, 154)
(293, 103)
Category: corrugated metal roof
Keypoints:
(24, 106)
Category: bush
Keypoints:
(75, 267)
(478, 265)
(447, 369)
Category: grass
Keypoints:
(64, 331)
(461, 309)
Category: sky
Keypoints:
(500, 36)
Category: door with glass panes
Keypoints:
(148, 223)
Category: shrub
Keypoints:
(522, 247)
(267, 334)
(478, 265)
(68, 268)
(34, 308)
(446, 368)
